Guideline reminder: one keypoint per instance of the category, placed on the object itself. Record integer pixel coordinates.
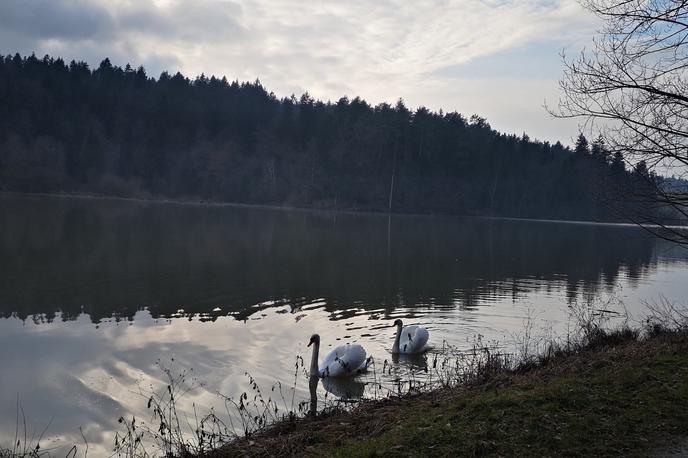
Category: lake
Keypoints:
(97, 294)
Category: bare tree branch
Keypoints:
(632, 89)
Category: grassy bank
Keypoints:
(620, 396)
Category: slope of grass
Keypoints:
(621, 399)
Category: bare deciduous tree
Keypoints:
(632, 87)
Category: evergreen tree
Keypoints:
(599, 150)
(582, 148)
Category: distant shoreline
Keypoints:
(212, 203)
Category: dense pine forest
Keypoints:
(117, 131)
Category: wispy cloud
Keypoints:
(380, 50)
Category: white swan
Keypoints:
(410, 339)
(344, 361)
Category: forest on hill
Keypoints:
(67, 128)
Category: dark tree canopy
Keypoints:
(116, 131)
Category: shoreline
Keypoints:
(623, 396)
(617, 391)
(211, 203)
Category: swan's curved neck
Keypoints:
(314, 359)
(395, 347)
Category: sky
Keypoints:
(499, 59)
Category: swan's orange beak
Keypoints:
(309, 343)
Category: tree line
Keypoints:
(65, 127)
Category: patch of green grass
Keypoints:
(615, 407)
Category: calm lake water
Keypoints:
(93, 293)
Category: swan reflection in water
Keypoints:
(344, 389)
(413, 361)
(313, 389)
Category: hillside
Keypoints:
(116, 131)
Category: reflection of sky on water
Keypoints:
(82, 374)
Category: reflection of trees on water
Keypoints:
(115, 257)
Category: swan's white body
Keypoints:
(410, 339)
(344, 361)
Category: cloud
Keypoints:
(379, 50)
(157, 35)
(45, 19)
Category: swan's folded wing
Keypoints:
(413, 339)
(343, 361)
(329, 364)
(421, 338)
(407, 339)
